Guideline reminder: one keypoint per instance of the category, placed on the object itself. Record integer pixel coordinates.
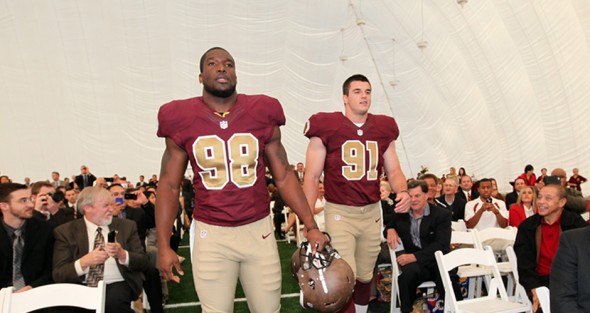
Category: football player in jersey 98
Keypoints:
(229, 139)
(351, 149)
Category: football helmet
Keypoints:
(326, 281)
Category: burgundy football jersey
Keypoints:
(226, 154)
(354, 155)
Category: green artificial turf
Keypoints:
(182, 297)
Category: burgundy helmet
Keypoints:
(326, 281)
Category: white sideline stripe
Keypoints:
(188, 304)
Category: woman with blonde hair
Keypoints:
(525, 206)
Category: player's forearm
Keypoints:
(398, 181)
(310, 189)
(295, 199)
(166, 209)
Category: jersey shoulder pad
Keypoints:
(264, 108)
(321, 124)
(175, 116)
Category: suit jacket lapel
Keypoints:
(80, 232)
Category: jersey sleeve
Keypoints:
(318, 125)
(390, 128)
(172, 118)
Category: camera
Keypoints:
(56, 196)
(552, 180)
(130, 196)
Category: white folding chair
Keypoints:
(519, 291)
(467, 239)
(191, 237)
(80, 296)
(495, 301)
(499, 239)
(459, 225)
(395, 272)
(544, 300)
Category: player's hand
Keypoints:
(317, 239)
(392, 238)
(402, 202)
(167, 259)
(94, 257)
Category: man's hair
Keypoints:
(7, 189)
(56, 173)
(485, 180)
(38, 185)
(88, 196)
(431, 176)
(353, 78)
(141, 176)
(202, 61)
(115, 185)
(524, 181)
(418, 183)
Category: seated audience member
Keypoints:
(524, 207)
(431, 180)
(576, 180)
(485, 211)
(424, 229)
(82, 254)
(495, 193)
(70, 202)
(537, 239)
(4, 179)
(511, 197)
(133, 210)
(529, 177)
(28, 182)
(25, 241)
(465, 191)
(47, 203)
(450, 201)
(569, 276)
(85, 179)
(277, 210)
(541, 178)
(461, 172)
(318, 209)
(55, 181)
(575, 201)
(453, 175)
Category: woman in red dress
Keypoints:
(524, 207)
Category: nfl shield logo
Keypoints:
(223, 124)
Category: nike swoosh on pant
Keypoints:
(265, 236)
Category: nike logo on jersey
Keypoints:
(377, 220)
(265, 236)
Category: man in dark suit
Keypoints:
(36, 241)
(570, 291)
(81, 249)
(450, 201)
(466, 191)
(85, 179)
(424, 229)
(300, 172)
(512, 197)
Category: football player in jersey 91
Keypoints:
(351, 149)
(229, 140)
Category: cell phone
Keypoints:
(130, 196)
(552, 180)
(489, 200)
(112, 235)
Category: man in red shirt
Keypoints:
(537, 239)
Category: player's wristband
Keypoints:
(312, 228)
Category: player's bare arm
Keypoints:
(396, 179)
(314, 165)
(174, 162)
(276, 159)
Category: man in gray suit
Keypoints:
(570, 291)
(82, 254)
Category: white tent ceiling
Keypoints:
(501, 83)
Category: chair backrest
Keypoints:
(74, 295)
(519, 291)
(191, 237)
(497, 238)
(465, 256)
(395, 272)
(459, 225)
(463, 238)
(544, 301)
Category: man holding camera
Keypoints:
(47, 203)
(100, 247)
(486, 211)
